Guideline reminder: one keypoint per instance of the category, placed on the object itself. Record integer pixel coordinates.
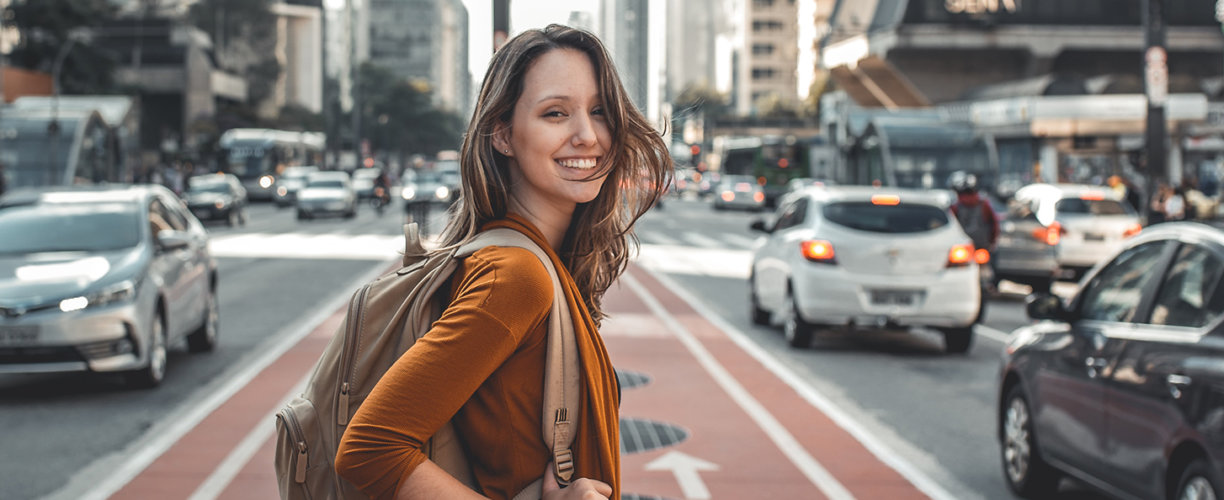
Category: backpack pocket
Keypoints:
(303, 469)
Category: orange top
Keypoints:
(483, 363)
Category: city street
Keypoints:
(928, 415)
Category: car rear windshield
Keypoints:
(208, 187)
(81, 227)
(899, 218)
(1090, 207)
(329, 184)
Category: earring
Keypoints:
(506, 151)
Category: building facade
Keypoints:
(769, 56)
(626, 35)
(426, 41)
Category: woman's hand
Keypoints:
(581, 488)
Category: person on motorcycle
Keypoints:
(975, 215)
(382, 189)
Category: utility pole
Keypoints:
(501, 23)
(355, 68)
(1156, 85)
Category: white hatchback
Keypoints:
(863, 256)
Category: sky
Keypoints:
(524, 14)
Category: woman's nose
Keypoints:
(584, 131)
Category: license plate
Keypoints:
(18, 335)
(893, 297)
(1094, 237)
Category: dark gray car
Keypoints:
(1123, 386)
(102, 280)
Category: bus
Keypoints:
(51, 147)
(913, 152)
(258, 155)
(773, 160)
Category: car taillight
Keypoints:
(728, 196)
(817, 251)
(981, 256)
(1132, 230)
(960, 255)
(1049, 234)
(758, 197)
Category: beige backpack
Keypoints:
(385, 317)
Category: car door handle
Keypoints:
(1177, 382)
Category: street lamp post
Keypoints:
(1156, 85)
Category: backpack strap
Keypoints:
(561, 371)
(412, 243)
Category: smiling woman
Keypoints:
(556, 151)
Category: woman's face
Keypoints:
(558, 135)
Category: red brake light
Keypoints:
(1093, 195)
(758, 197)
(817, 250)
(1132, 230)
(743, 187)
(960, 255)
(981, 256)
(1050, 235)
(885, 199)
(728, 196)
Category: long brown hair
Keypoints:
(638, 167)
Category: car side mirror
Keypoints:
(759, 225)
(169, 241)
(1041, 306)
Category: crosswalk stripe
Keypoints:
(740, 241)
(308, 246)
(702, 240)
(658, 239)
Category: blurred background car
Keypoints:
(428, 186)
(284, 192)
(103, 280)
(739, 192)
(327, 193)
(864, 257)
(1058, 231)
(1121, 385)
(363, 181)
(217, 197)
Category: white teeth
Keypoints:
(584, 163)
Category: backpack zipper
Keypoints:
(295, 432)
(347, 368)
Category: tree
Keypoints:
(44, 27)
(398, 115)
(772, 105)
(698, 98)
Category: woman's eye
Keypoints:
(597, 111)
(553, 114)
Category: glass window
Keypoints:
(82, 227)
(901, 218)
(793, 214)
(1185, 293)
(1114, 293)
(1090, 207)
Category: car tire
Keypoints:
(957, 340)
(1041, 285)
(154, 371)
(1023, 468)
(1197, 482)
(759, 316)
(231, 218)
(795, 329)
(302, 215)
(245, 215)
(204, 339)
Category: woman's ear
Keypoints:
(501, 140)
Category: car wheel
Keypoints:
(1041, 285)
(205, 338)
(759, 316)
(798, 332)
(958, 340)
(231, 218)
(302, 215)
(245, 215)
(1197, 483)
(1026, 473)
(155, 370)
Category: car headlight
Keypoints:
(442, 192)
(408, 193)
(219, 204)
(121, 291)
(266, 181)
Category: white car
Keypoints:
(869, 257)
(328, 192)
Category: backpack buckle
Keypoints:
(563, 463)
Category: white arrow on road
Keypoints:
(685, 468)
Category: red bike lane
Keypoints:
(701, 418)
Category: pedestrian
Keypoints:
(556, 150)
(1156, 208)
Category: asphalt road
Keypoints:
(931, 411)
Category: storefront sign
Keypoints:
(981, 6)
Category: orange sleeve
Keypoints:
(500, 294)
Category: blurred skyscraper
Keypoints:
(427, 41)
(625, 32)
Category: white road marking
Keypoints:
(685, 467)
(108, 475)
(308, 246)
(777, 433)
(715, 262)
(915, 476)
(701, 240)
